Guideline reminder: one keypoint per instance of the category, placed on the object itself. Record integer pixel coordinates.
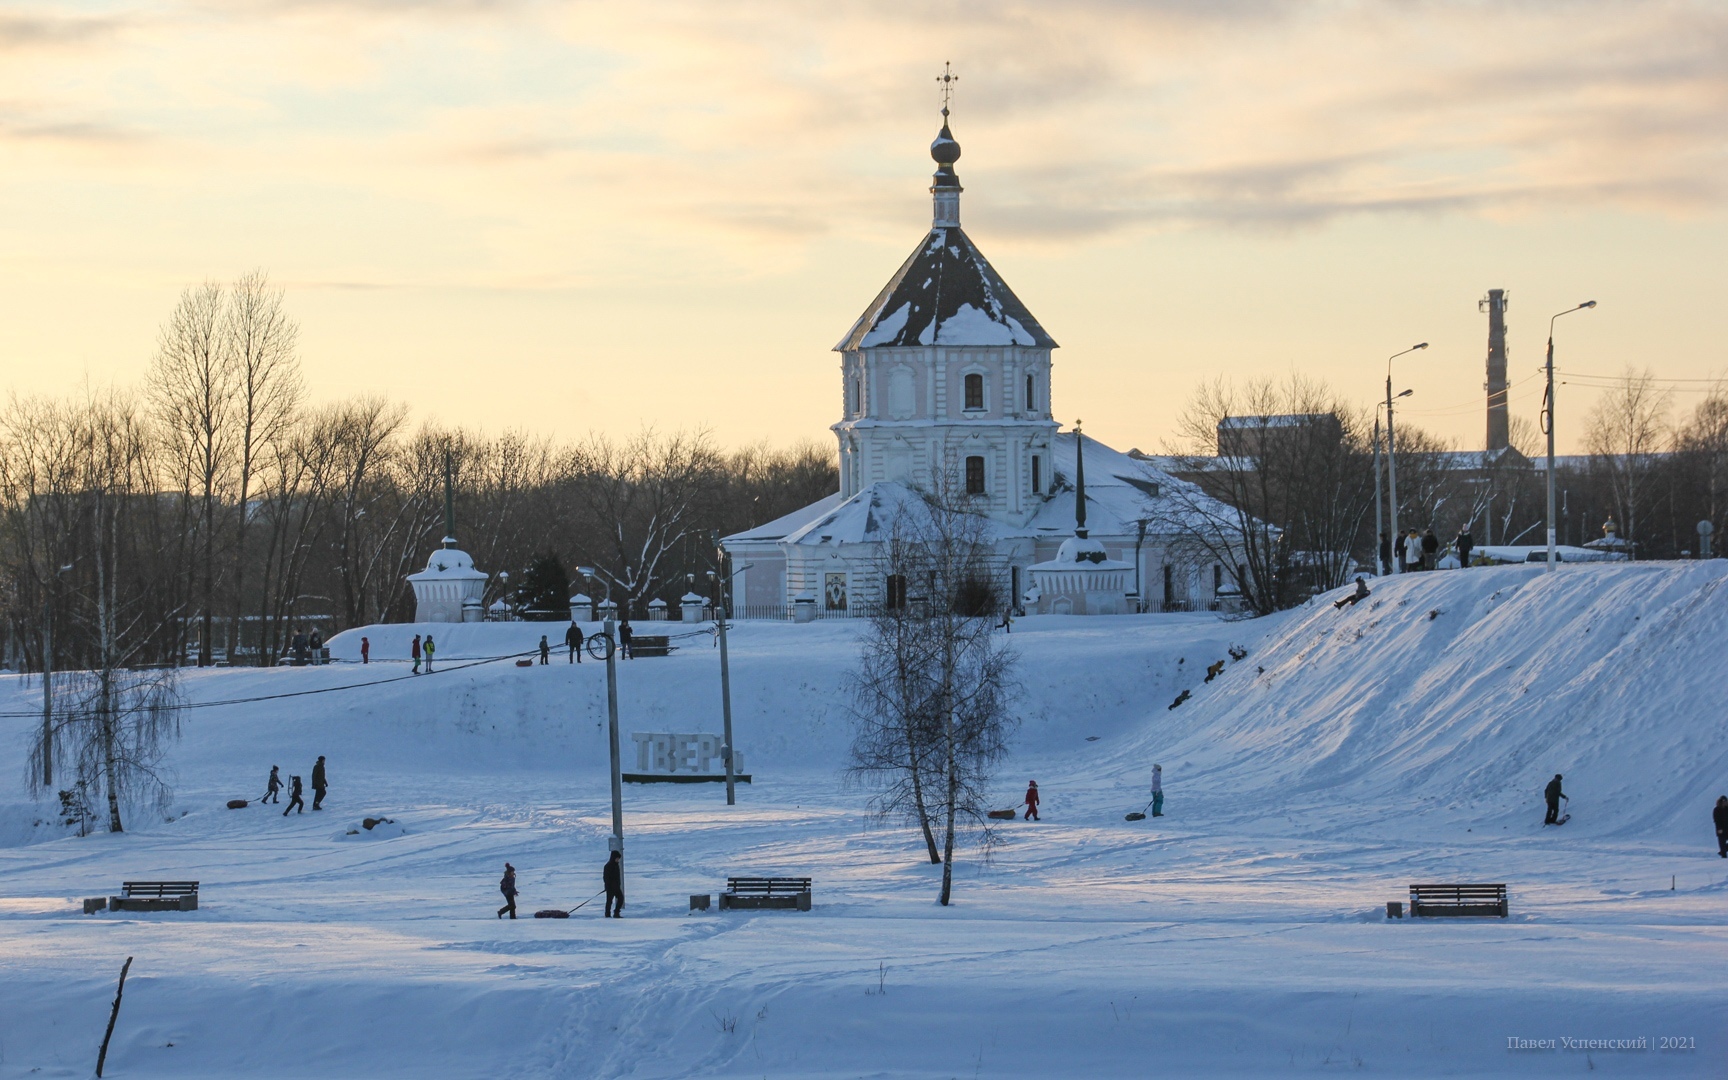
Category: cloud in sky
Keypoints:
(665, 146)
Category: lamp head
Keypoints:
(585, 571)
(710, 575)
(1423, 345)
(1587, 304)
(1407, 393)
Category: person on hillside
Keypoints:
(1720, 817)
(273, 789)
(573, 641)
(612, 877)
(315, 643)
(624, 636)
(1158, 785)
(414, 651)
(365, 651)
(1356, 597)
(508, 888)
(1465, 543)
(294, 796)
(319, 784)
(1430, 550)
(545, 651)
(1032, 802)
(1385, 554)
(1412, 552)
(428, 648)
(1553, 794)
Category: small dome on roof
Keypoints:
(945, 151)
(1081, 549)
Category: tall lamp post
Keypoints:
(1392, 449)
(721, 589)
(1548, 426)
(610, 626)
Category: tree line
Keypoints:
(1289, 507)
(214, 508)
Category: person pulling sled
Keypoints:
(1032, 801)
(613, 878)
(273, 789)
(508, 888)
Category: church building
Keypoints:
(948, 374)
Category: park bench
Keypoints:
(1458, 900)
(754, 893)
(156, 896)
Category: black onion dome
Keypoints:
(945, 151)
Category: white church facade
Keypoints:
(947, 374)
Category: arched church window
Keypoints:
(974, 391)
(1031, 401)
(853, 387)
(974, 476)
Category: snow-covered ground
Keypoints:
(1349, 754)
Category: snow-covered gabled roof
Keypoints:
(1120, 491)
(786, 524)
(946, 293)
(869, 516)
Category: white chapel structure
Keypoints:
(947, 373)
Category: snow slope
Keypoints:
(1348, 754)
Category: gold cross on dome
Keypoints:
(947, 79)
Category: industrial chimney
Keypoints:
(1495, 305)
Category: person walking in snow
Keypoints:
(1553, 794)
(573, 641)
(508, 888)
(365, 651)
(1032, 802)
(294, 796)
(1720, 817)
(428, 648)
(273, 789)
(545, 651)
(1465, 544)
(1430, 550)
(414, 651)
(1356, 597)
(1412, 552)
(319, 784)
(612, 877)
(624, 636)
(1158, 786)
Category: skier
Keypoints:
(624, 635)
(1720, 817)
(1032, 802)
(428, 648)
(1430, 550)
(319, 784)
(1158, 790)
(613, 878)
(414, 651)
(508, 888)
(365, 651)
(573, 640)
(316, 644)
(1553, 794)
(545, 650)
(1354, 598)
(1465, 544)
(294, 796)
(272, 790)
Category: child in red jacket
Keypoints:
(1032, 802)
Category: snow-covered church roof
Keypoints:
(946, 293)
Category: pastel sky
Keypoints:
(573, 216)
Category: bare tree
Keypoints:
(194, 386)
(1624, 433)
(259, 341)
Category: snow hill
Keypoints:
(1449, 699)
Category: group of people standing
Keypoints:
(320, 784)
(1422, 551)
(422, 648)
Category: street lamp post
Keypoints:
(48, 677)
(610, 627)
(1392, 450)
(720, 584)
(1548, 426)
